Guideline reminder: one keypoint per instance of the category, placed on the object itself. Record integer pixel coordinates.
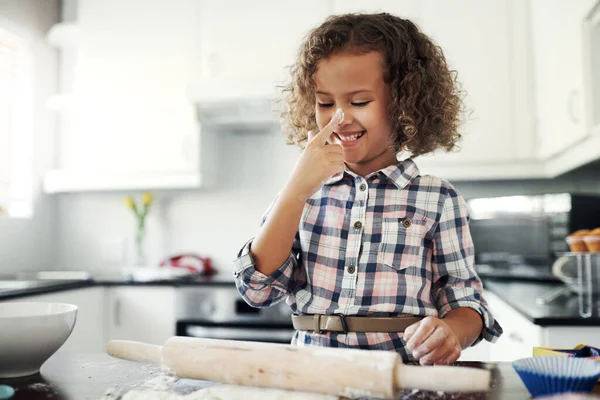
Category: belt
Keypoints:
(341, 323)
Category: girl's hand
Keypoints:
(432, 341)
(319, 161)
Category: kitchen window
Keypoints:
(16, 126)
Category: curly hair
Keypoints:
(425, 99)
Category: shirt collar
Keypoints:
(400, 174)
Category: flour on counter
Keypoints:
(228, 392)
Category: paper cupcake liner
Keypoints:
(551, 374)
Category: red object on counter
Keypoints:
(194, 263)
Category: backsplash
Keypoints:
(217, 221)
(94, 231)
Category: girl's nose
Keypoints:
(347, 117)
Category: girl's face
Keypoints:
(355, 84)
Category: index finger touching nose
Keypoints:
(326, 132)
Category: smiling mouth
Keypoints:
(348, 138)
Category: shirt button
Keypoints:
(358, 224)
(351, 269)
(406, 223)
(363, 187)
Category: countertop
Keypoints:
(519, 294)
(57, 285)
(522, 296)
(68, 376)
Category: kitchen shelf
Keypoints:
(67, 181)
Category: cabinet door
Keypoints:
(557, 30)
(476, 41)
(89, 332)
(480, 352)
(567, 337)
(520, 335)
(249, 41)
(145, 314)
(135, 61)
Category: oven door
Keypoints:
(247, 331)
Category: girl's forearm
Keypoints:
(273, 243)
(466, 324)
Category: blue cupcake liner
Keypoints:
(553, 374)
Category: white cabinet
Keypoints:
(143, 313)
(89, 332)
(486, 43)
(521, 335)
(130, 123)
(557, 44)
(247, 41)
(563, 60)
(480, 352)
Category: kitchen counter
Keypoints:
(12, 291)
(69, 376)
(522, 295)
(519, 294)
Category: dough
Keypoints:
(228, 392)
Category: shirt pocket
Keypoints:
(402, 242)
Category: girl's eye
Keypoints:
(361, 104)
(325, 105)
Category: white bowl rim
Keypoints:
(62, 308)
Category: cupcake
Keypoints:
(592, 241)
(553, 374)
(575, 241)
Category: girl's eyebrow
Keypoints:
(351, 93)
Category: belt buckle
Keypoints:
(317, 323)
(343, 322)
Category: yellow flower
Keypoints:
(147, 198)
(129, 202)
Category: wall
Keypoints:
(95, 228)
(30, 244)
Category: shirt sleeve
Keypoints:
(257, 289)
(455, 282)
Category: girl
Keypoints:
(368, 252)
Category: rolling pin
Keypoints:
(343, 372)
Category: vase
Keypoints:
(141, 258)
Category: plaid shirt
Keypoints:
(389, 244)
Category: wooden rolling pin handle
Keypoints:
(442, 378)
(350, 372)
(135, 351)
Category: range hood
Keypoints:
(235, 106)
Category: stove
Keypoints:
(219, 312)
